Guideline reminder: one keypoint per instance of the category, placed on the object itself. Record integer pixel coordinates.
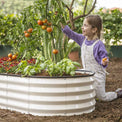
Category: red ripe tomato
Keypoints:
(30, 30)
(10, 55)
(9, 59)
(27, 35)
(49, 29)
(14, 57)
(25, 31)
(40, 22)
(55, 51)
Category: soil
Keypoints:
(104, 111)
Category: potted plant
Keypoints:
(43, 49)
(74, 55)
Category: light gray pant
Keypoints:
(99, 84)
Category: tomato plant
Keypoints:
(38, 28)
(46, 33)
(45, 18)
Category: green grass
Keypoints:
(14, 6)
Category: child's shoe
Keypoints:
(119, 92)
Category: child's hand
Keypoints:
(62, 25)
(105, 61)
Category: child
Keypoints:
(93, 54)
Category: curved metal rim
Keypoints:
(82, 70)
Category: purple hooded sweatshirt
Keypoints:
(99, 50)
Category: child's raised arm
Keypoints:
(78, 38)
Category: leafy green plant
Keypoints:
(112, 26)
(65, 66)
(7, 23)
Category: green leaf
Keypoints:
(77, 64)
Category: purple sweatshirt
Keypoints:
(99, 50)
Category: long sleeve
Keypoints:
(78, 38)
(100, 52)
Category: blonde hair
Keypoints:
(96, 22)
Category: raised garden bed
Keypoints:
(48, 96)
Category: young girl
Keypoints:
(93, 54)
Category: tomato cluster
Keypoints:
(45, 25)
(27, 33)
(12, 57)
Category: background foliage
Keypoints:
(13, 25)
(112, 25)
(7, 23)
(14, 6)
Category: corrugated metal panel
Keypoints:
(47, 96)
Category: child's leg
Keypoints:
(100, 90)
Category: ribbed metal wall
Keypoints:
(47, 96)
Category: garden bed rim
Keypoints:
(89, 73)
